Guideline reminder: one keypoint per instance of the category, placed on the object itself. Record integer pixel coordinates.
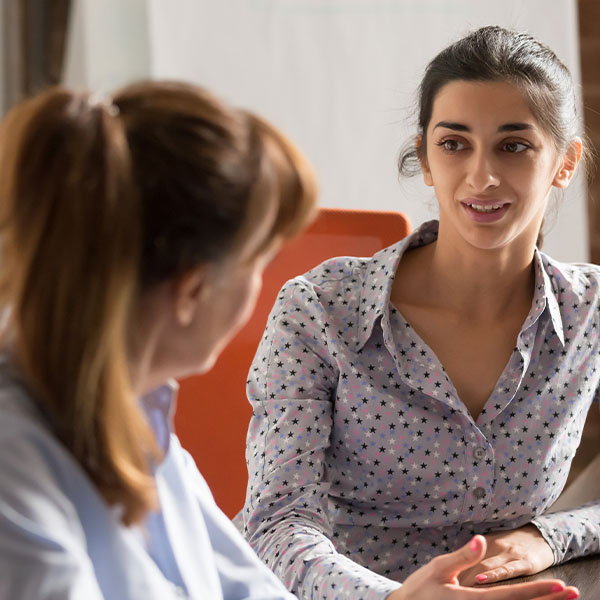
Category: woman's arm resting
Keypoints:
(572, 533)
(550, 539)
(290, 387)
(509, 554)
(439, 579)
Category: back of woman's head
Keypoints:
(207, 175)
(495, 54)
(99, 201)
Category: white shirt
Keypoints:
(59, 539)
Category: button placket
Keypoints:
(482, 470)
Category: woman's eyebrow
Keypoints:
(505, 127)
(451, 125)
(515, 127)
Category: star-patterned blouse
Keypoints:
(364, 463)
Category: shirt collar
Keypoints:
(380, 273)
(381, 270)
(159, 407)
(545, 297)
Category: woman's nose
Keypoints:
(481, 172)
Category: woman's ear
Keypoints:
(569, 163)
(188, 291)
(422, 156)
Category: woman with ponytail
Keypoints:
(133, 234)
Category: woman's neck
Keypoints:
(148, 323)
(480, 285)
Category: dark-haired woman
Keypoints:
(405, 402)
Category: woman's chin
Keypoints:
(197, 368)
(205, 366)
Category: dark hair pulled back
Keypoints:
(496, 54)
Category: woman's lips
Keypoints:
(485, 211)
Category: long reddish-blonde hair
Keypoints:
(100, 201)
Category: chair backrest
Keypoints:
(213, 413)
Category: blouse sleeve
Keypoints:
(573, 532)
(291, 387)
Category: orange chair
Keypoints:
(213, 413)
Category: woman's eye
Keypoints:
(451, 145)
(514, 147)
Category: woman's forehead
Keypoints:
(475, 103)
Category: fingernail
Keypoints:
(474, 546)
(572, 595)
(557, 587)
(481, 577)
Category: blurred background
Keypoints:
(338, 76)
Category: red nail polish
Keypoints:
(572, 595)
(557, 587)
(481, 577)
(474, 545)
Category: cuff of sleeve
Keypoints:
(544, 526)
(353, 581)
(380, 592)
(375, 591)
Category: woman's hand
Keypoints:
(510, 554)
(438, 580)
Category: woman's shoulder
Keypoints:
(323, 281)
(346, 275)
(576, 277)
(31, 456)
(18, 411)
(335, 270)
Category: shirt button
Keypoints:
(479, 453)
(479, 493)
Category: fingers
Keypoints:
(510, 554)
(538, 590)
(570, 593)
(514, 568)
(448, 566)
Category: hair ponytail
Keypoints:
(98, 204)
(70, 244)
